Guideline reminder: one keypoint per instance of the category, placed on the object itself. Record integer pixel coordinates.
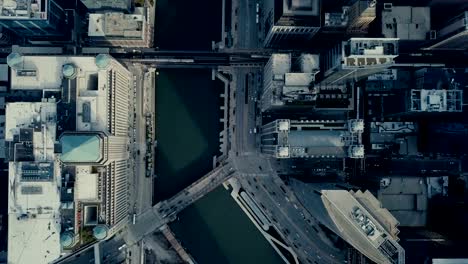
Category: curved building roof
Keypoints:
(80, 148)
(14, 59)
(100, 232)
(102, 61)
(69, 71)
(67, 239)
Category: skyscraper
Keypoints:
(290, 22)
(33, 17)
(357, 217)
(453, 35)
(285, 138)
(108, 5)
(358, 58)
(93, 134)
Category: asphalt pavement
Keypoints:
(298, 228)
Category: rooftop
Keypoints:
(405, 198)
(80, 148)
(288, 85)
(116, 25)
(86, 185)
(23, 9)
(301, 7)
(436, 100)
(107, 4)
(406, 22)
(281, 63)
(33, 196)
(88, 81)
(368, 52)
(357, 217)
(310, 138)
(40, 120)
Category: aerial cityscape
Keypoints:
(234, 131)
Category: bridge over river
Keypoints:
(166, 211)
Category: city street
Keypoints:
(244, 25)
(247, 86)
(297, 227)
(141, 187)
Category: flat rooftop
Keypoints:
(107, 4)
(281, 63)
(406, 22)
(40, 118)
(80, 148)
(23, 9)
(86, 186)
(116, 25)
(343, 213)
(34, 196)
(301, 7)
(88, 86)
(406, 198)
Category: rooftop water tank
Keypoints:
(100, 232)
(103, 61)
(14, 60)
(69, 71)
(67, 239)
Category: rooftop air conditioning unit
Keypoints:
(387, 6)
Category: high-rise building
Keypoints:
(360, 15)
(399, 138)
(453, 35)
(33, 180)
(357, 217)
(406, 198)
(93, 146)
(431, 94)
(119, 29)
(108, 5)
(357, 58)
(289, 83)
(436, 101)
(406, 22)
(289, 23)
(285, 138)
(32, 17)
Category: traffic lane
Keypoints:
(110, 252)
(289, 215)
(312, 252)
(240, 95)
(140, 175)
(302, 219)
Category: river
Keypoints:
(214, 229)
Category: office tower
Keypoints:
(357, 217)
(453, 35)
(285, 138)
(93, 143)
(360, 15)
(33, 181)
(108, 5)
(289, 83)
(290, 23)
(358, 58)
(406, 22)
(30, 18)
(119, 29)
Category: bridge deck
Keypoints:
(165, 211)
